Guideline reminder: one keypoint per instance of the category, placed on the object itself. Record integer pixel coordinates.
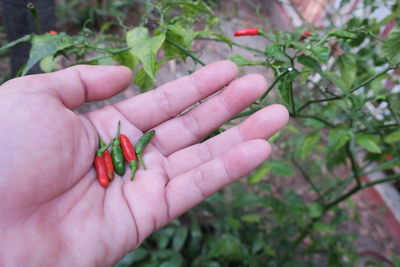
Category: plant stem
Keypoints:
(187, 52)
(383, 180)
(234, 43)
(280, 76)
(316, 118)
(351, 90)
(292, 104)
(317, 101)
(370, 79)
(353, 164)
(34, 13)
(307, 178)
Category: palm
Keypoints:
(64, 208)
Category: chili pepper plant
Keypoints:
(339, 84)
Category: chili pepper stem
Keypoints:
(101, 150)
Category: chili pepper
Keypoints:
(141, 145)
(100, 165)
(305, 35)
(321, 27)
(247, 31)
(53, 32)
(116, 154)
(108, 162)
(388, 157)
(101, 170)
(129, 154)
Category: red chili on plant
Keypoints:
(53, 32)
(247, 31)
(305, 35)
(388, 157)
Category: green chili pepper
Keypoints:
(116, 154)
(141, 145)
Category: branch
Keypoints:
(187, 52)
(280, 76)
(315, 118)
(353, 165)
(307, 178)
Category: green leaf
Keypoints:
(145, 48)
(342, 34)
(25, 38)
(106, 26)
(315, 210)
(321, 53)
(198, 6)
(227, 247)
(338, 137)
(308, 144)
(251, 218)
(194, 241)
(285, 85)
(369, 142)
(183, 36)
(274, 137)
(126, 59)
(136, 35)
(179, 238)
(391, 46)
(323, 227)
(310, 62)
(143, 80)
(259, 173)
(134, 256)
(291, 128)
(48, 64)
(241, 61)
(337, 81)
(348, 69)
(393, 137)
(280, 168)
(175, 261)
(274, 50)
(46, 45)
(107, 60)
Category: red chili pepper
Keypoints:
(129, 154)
(388, 157)
(321, 27)
(101, 170)
(109, 165)
(247, 31)
(305, 35)
(53, 32)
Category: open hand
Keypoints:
(52, 209)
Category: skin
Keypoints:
(52, 209)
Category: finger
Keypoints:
(75, 85)
(261, 125)
(200, 121)
(147, 110)
(190, 188)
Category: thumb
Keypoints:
(78, 84)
